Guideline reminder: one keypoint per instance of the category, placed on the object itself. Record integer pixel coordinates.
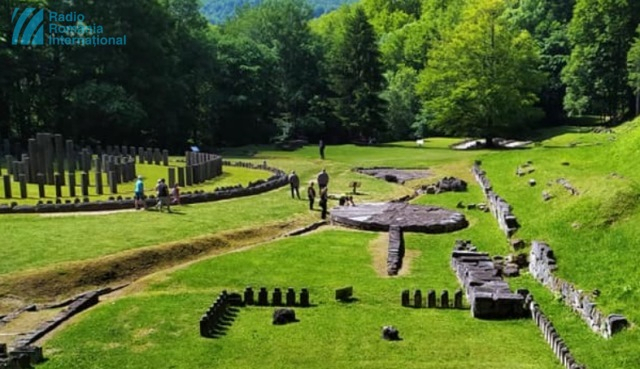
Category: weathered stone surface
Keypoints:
(395, 175)
(396, 250)
(390, 333)
(284, 316)
(412, 218)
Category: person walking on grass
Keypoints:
(163, 196)
(321, 146)
(323, 179)
(138, 197)
(311, 194)
(324, 197)
(294, 182)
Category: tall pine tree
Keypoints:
(357, 79)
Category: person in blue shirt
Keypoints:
(138, 199)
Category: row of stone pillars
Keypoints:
(431, 302)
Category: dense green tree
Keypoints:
(482, 79)
(600, 33)
(357, 79)
(282, 25)
(547, 22)
(402, 103)
(633, 65)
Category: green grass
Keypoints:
(159, 328)
(231, 176)
(594, 236)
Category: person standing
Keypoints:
(138, 198)
(321, 146)
(294, 182)
(311, 194)
(163, 196)
(324, 197)
(323, 179)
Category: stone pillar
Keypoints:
(181, 176)
(157, 156)
(41, 179)
(8, 160)
(171, 176)
(32, 149)
(149, 156)
(304, 298)
(15, 169)
(99, 190)
(6, 179)
(72, 184)
(26, 166)
(248, 296)
(23, 186)
(417, 299)
(444, 299)
(263, 297)
(165, 158)
(71, 156)
(291, 297)
(84, 185)
(124, 151)
(59, 149)
(141, 155)
(457, 299)
(431, 299)
(58, 183)
(277, 297)
(189, 175)
(405, 297)
(113, 184)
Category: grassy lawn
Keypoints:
(594, 236)
(158, 328)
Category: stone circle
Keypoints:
(412, 218)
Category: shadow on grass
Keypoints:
(349, 300)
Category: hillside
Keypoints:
(217, 11)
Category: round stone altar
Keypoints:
(412, 218)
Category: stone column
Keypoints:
(58, 183)
(99, 190)
(248, 296)
(431, 299)
(15, 169)
(277, 297)
(34, 165)
(457, 299)
(124, 150)
(404, 298)
(189, 175)
(84, 185)
(59, 147)
(26, 166)
(304, 298)
(72, 184)
(417, 299)
(157, 156)
(181, 177)
(444, 299)
(6, 179)
(165, 158)
(171, 176)
(113, 184)
(149, 156)
(23, 186)
(141, 155)
(41, 179)
(8, 160)
(71, 156)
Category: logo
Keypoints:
(29, 25)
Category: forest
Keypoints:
(376, 69)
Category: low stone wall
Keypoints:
(277, 180)
(542, 264)
(83, 302)
(500, 209)
(395, 252)
(560, 349)
(489, 295)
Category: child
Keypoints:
(311, 194)
(175, 195)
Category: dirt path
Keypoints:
(379, 248)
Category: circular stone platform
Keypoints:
(412, 218)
